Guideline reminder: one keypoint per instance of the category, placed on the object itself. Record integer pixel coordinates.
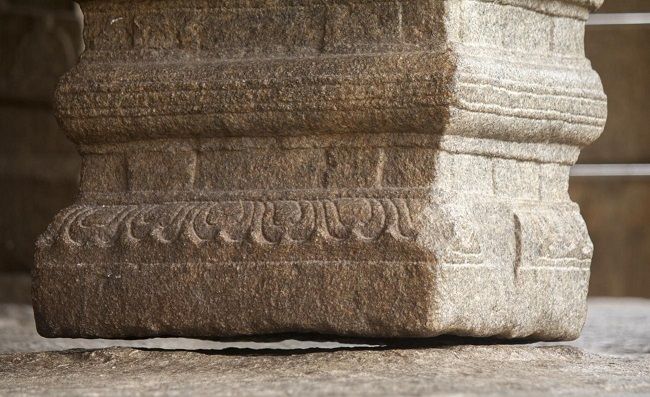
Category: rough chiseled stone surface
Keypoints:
(351, 168)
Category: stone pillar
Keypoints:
(355, 168)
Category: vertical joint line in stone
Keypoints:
(323, 37)
(381, 164)
(494, 178)
(518, 246)
(400, 27)
(325, 176)
(540, 182)
(193, 166)
(461, 25)
(126, 180)
(552, 34)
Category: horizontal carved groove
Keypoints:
(530, 113)
(433, 264)
(537, 89)
(298, 94)
(550, 7)
(346, 103)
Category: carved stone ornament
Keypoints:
(362, 168)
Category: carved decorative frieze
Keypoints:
(270, 222)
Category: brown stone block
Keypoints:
(617, 212)
(620, 55)
(236, 170)
(104, 173)
(161, 170)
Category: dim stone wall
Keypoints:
(39, 41)
(615, 200)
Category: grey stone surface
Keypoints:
(360, 168)
(450, 371)
(612, 357)
(616, 328)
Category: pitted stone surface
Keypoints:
(370, 169)
(457, 371)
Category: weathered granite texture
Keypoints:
(616, 327)
(355, 168)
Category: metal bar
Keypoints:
(640, 18)
(610, 170)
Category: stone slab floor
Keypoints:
(611, 358)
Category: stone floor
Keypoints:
(611, 358)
